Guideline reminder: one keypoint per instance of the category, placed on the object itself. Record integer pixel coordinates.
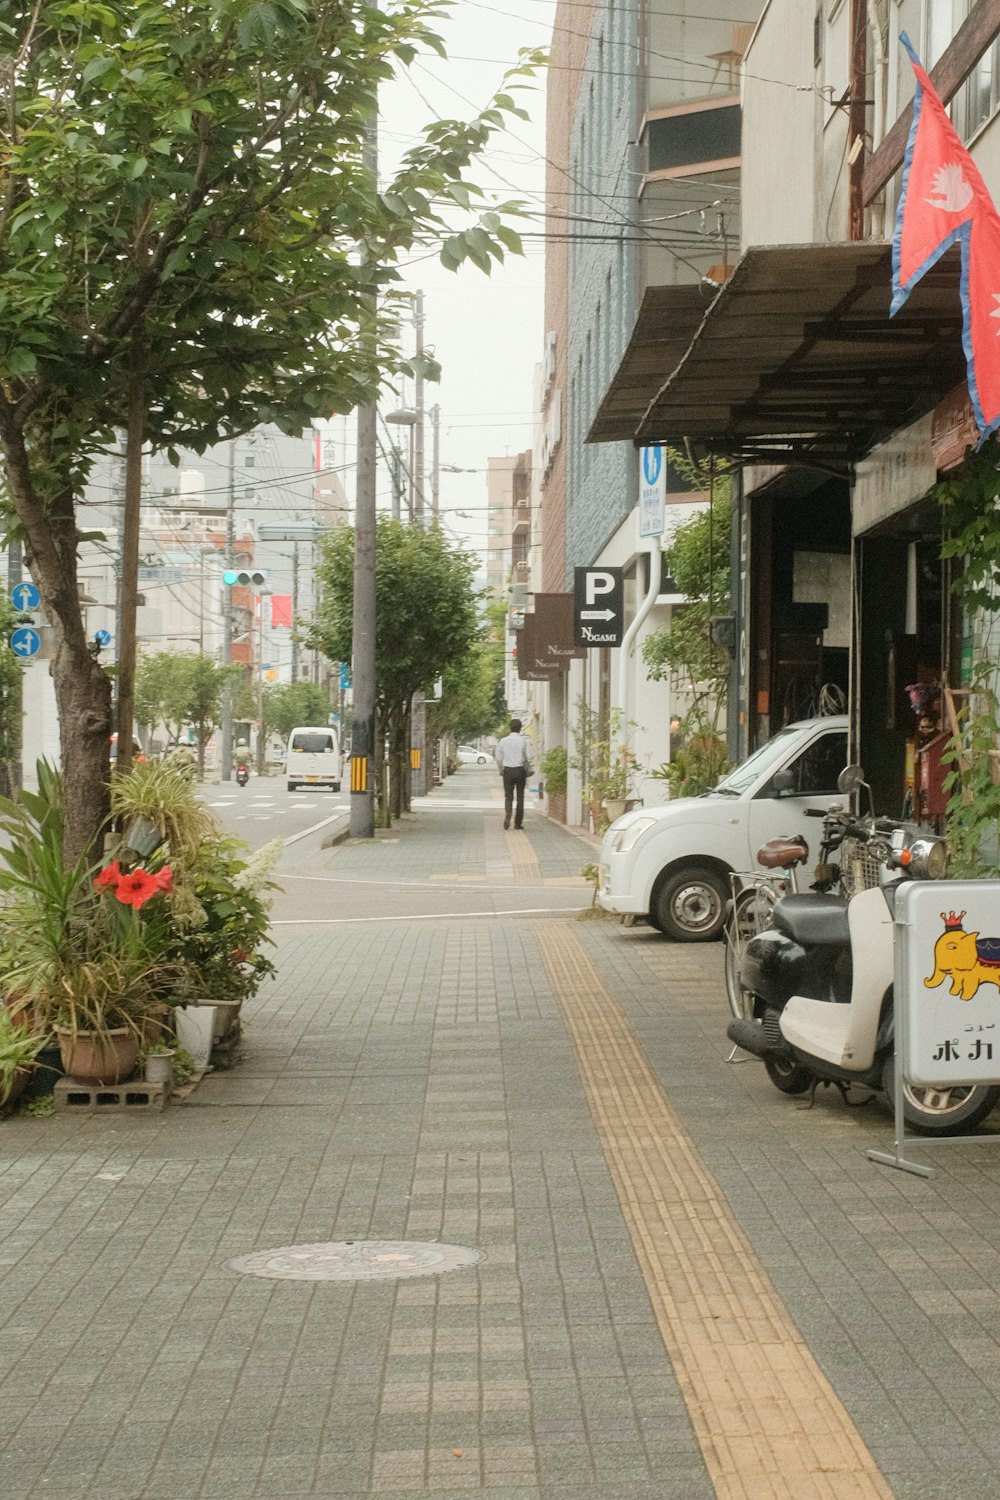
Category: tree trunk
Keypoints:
(129, 556)
(82, 687)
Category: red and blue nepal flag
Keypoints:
(944, 200)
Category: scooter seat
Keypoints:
(813, 917)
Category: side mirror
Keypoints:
(850, 779)
(783, 781)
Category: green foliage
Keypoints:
(184, 1067)
(180, 688)
(221, 914)
(162, 792)
(697, 766)
(41, 1107)
(74, 956)
(427, 619)
(973, 814)
(698, 562)
(20, 1044)
(189, 216)
(972, 537)
(607, 766)
(294, 703)
(554, 767)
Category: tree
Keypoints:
(427, 621)
(698, 561)
(472, 699)
(180, 688)
(294, 703)
(184, 201)
(11, 695)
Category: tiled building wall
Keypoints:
(603, 195)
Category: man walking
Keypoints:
(513, 756)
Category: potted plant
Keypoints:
(609, 788)
(20, 1044)
(158, 1063)
(73, 948)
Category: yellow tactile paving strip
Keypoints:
(769, 1423)
(522, 858)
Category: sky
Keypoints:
(487, 332)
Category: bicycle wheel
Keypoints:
(749, 914)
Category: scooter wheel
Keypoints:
(787, 1076)
(940, 1111)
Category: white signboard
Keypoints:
(652, 490)
(948, 979)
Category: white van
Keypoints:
(312, 757)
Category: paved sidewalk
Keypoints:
(689, 1287)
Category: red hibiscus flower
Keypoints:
(109, 876)
(165, 880)
(135, 889)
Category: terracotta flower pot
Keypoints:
(92, 1057)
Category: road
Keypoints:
(264, 810)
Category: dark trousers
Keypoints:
(514, 778)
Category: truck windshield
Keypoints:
(767, 759)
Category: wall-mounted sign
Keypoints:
(598, 607)
(652, 490)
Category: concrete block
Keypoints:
(111, 1098)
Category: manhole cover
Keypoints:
(355, 1260)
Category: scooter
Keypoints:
(242, 774)
(818, 983)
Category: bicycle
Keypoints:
(754, 897)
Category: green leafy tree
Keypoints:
(472, 699)
(293, 703)
(192, 243)
(684, 651)
(181, 688)
(426, 623)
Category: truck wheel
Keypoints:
(940, 1111)
(690, 905)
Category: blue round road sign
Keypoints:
(25, 596)
(652, 463)
(102, 637)
(25, 641)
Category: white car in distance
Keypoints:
(672, 864)
(468, 755)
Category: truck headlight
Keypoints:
(626, 838)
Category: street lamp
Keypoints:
(406, 416)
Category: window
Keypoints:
(313, 742)
(818, 767)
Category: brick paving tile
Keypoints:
(687, 1282)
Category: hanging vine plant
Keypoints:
(969, 501)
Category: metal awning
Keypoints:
(797, 359)
(667, 322)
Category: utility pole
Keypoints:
(226, 727)
(418, 713)
(435, 463)
(363, 640)
(295, 610)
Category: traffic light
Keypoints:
(245, 578)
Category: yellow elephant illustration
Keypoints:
(965, 958)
